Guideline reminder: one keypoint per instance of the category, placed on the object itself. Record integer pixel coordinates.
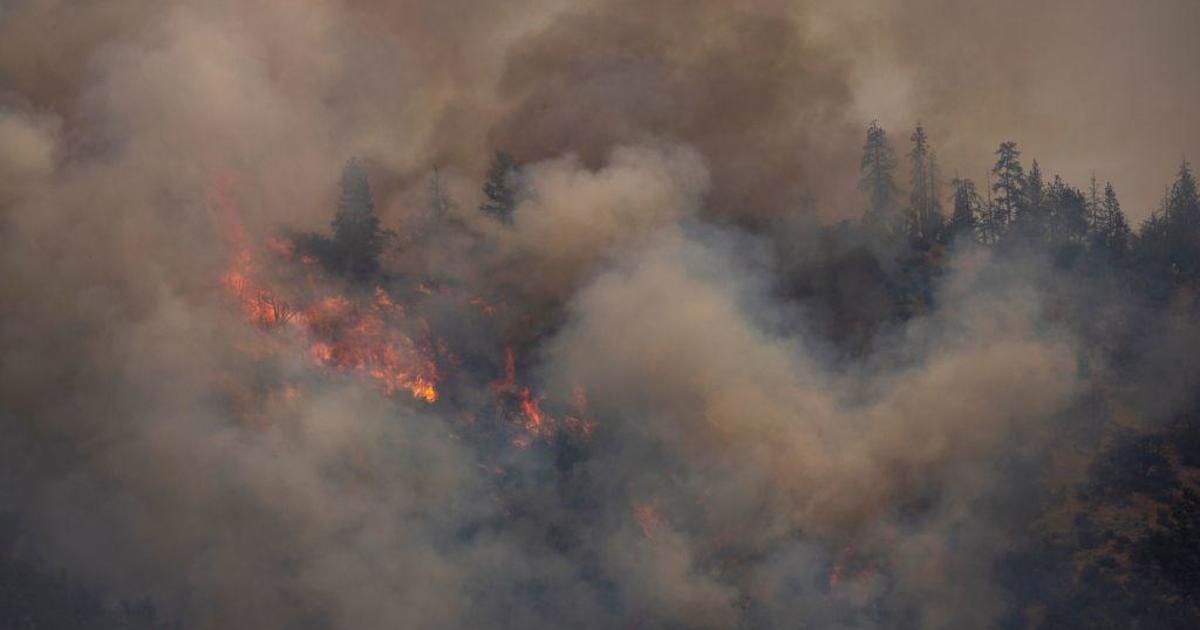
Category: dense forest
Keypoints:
(1116, 547)
(594, 314)
(1113, 544)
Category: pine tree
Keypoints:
(1182, 215)
(923, 218)
(1152, 235)
(358, 239)
(1111, 228)
(878, 163)
(1067, 213)
(1008, 191)
(987, 226)
(934, 217)
(1033, 219)
(1183, 201)
(1035, 188)
(501, 188)
(1152, 243)
(967, 206)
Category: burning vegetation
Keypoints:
(597, 332)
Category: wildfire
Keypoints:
(370, 336)
(341, 334)
(368, 341)
(537, 422)
(531, 417)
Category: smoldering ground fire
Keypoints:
(355, 314)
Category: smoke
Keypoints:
(1047, 75)
(734, 464)
(735, 432)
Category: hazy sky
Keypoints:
(774, 94)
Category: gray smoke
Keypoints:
(734, 456)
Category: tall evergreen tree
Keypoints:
(1008, 191)
(1033, 219)
(501, 188)
(967, 207)
(878, 164)
(1111, 229)
(1035, 188)
(1067, 213)
(1152, 242)
(935, 218)
(1151, 238)
(923, 219)
(1183, 201)
(358, 239)
(1182, 213)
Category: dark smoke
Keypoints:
(757, 412)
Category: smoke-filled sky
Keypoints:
(774, 94)
(735, 455)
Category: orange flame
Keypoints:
(346, 338)
(533, 419)
(340, 334)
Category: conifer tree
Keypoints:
(878, 163)
(1152, 242)
(358, 239)
(501, 188)
(1067, 210)
(1008, 191)
(923, 218)
(1033, 219)
(1182, 214)
(1111, 228)
(967, 207)
(1183, 201)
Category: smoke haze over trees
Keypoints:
(599, 314)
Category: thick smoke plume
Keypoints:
(660, 395)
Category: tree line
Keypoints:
(1016, 207)
(1025, 207)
